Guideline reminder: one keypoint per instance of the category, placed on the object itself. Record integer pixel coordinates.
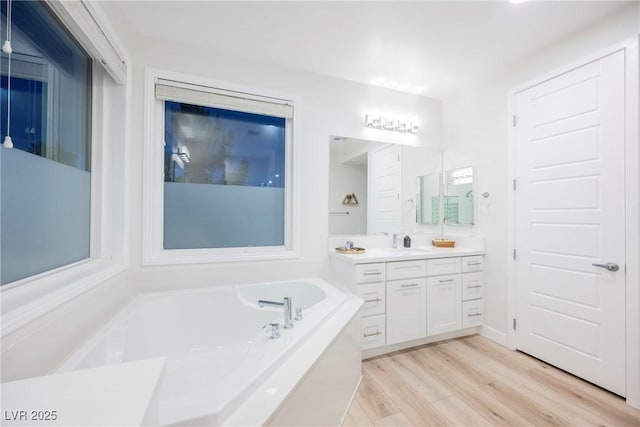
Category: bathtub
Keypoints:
(216, 349)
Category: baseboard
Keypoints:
(378, 351)
(494, 335)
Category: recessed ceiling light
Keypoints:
(517, 1)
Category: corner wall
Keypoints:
(476, 124)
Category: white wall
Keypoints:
(327, 107)
(476, 127)
(347, 178)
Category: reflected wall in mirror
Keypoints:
(428, 199)
(348, 166)
(458, 196)
(383, 177)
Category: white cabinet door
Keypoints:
(406, 310)
(443, 304)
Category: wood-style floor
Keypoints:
(473, 381)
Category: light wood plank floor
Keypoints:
(473, 381)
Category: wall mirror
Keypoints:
(374, 186)
(458, 197)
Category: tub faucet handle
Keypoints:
(298, 313)
(273, 329)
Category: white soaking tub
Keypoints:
(216, 349)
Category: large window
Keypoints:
(45, 178)
(226, 161)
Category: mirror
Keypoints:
(458, 196)
(374, 186)
(428, 199)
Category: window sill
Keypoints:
(26, 300)
(200, 256)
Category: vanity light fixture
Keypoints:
(387, 123)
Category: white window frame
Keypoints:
(153, 186)
(25, 300)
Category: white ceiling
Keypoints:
(439, 45)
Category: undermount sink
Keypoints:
(403, 251)
(425, 249)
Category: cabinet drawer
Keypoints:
(472, 313)
(472, 263)
(373, 331)
(374, 298)
(436, 267)
(406, 269)
(366, 273)
(472, 286)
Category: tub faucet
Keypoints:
(273, 330)
(286, 306)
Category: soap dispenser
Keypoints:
(407, 241)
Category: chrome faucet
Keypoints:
(286, 306)
(394, 244)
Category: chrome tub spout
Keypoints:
(286, 306)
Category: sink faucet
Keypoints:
(286, 306)
(394, 244)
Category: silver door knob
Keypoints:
(611, 266)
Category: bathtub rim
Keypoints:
(264, 402)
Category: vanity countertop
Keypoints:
(402, 254)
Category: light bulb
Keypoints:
(6, 47)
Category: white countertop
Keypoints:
(119, 394)
(402, 254)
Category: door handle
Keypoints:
(611, 266)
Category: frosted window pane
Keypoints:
(43, 224)
(45, 178)
(222, 216)
(224, 178)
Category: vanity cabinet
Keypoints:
(411, 301)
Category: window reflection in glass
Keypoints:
(208, 145)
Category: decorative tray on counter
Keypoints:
(353, 251)
(443, 243)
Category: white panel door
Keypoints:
(384, 190)
(569, 216)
